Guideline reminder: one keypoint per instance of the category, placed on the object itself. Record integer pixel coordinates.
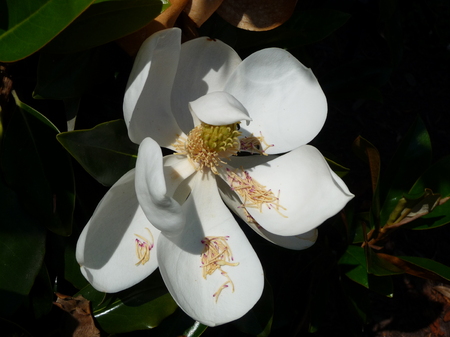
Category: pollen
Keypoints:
(143, 247)
(253, 194)
(217, 254)
(207, 145)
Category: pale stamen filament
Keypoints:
(217, 254)
(254, 194)
(143, 247)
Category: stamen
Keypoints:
(206, 145)
(217, 254)
(253, 145)
(144, 247)
(254, 194)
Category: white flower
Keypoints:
(192, 98)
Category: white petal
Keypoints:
(146, 104)
(204, 67)
(218, 108)
(283, 97)
(161, 209)
(106, 248)
(180, 260)
(297, 242)
(309, 191)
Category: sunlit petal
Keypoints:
(146, 105)
(210, 300)
(161, 209)
(297, 242)
(290, 194)
(283, 97)
(218, 108)
(106, 249)
(205, 65)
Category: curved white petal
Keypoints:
(308, 191)
(106, 248)
(218, 108)
(180, 260)
(283, 97)
(160, 208)
(205, 65)
(297, 242)
(146, 105)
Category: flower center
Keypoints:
(215, 255)
(207, 145)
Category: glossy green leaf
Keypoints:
(105, 151)
(411, 159)
(48, 188)
(22, 250)
(27, 25)
(195, 330)
(258, 321)
(104, 22)
(340, 170)
(435, 178)
(354, 265)
(140, 307)
(373, 275)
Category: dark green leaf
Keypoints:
(196, 330)
(22, 251)
(354, 264)
(104, 22)
(435, 178)
(340, 170)
(27, 25)
(411, 159)
(48, 188)
(430, 265)
(142, 306)
(41, 295)
(105, 151)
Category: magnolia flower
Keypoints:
(203, 102)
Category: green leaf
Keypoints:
(105, 151)
(411, 159)
(142, 306)
(373, 275)
(435, 178)
(104, 22)
(353, 262)
(340, 170)
(48, 188)
(27, 25)
(195, 330)
(41, 295)
(258, 321)
(22, 250)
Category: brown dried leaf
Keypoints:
(200, 10)
(82, 323)
(131, 43)
(256, 15)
